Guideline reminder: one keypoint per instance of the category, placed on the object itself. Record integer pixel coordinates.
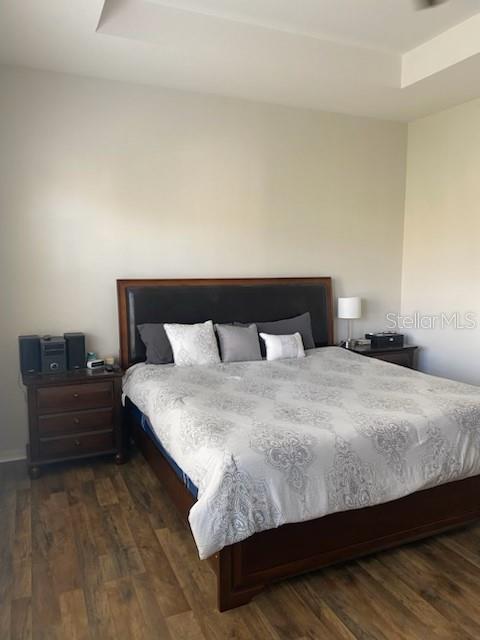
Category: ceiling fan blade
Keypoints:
(426, 4)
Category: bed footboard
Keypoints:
(243, 569)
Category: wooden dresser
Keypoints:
(73, 415)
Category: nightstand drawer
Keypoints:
(76, 445)
(74, 396)
(403, 358)
(75, 422)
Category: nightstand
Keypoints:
(404, 356)
(75, 414)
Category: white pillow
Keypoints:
(193, 343)
(279, 347)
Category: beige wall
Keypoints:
(441, 266)
(102, 180)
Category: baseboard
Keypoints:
(12, 454)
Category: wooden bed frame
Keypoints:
(244, 568)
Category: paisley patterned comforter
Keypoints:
(268, 443)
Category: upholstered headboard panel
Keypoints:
(243, 300)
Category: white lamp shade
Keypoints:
(350, 308)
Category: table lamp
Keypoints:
(349, 309)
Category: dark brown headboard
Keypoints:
(225, 300)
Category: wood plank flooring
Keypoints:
(91, 550)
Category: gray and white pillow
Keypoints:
(280, 347)
(156, 343)
(288, 326)
(238, 344)
(193, 343)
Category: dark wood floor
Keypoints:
(91, 550)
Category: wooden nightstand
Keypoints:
(404, 356)
(73, 415)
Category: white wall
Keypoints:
(102, 180)
(441, 267)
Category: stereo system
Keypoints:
(51, 354)
(385, 340)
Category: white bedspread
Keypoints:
(274, 442)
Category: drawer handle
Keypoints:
(77, 443)
(76, 421)
(75, 395)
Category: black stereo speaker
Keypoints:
(29, 347)
(75, 350)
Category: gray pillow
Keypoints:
(301, 324)
(156, 343)
(238, 344)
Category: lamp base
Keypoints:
(350, 343)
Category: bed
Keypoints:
(335, 455)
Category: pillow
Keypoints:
(238, 343)
(279, 347)
(156, 343)
(301, 324)
(193, 343)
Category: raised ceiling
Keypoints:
(379, 58)
(393, 25)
